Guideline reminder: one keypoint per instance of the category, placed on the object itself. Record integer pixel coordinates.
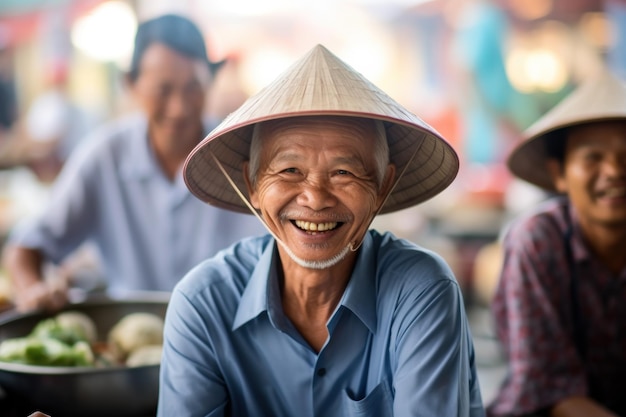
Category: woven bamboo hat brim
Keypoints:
(320, 84)
(600, 98)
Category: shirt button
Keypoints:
(321, 372)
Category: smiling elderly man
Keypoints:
(323, 317)
(560, 307)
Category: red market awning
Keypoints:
(20, 19)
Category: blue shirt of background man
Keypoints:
(399, 341)
(149, 230)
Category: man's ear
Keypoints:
(129, 79)
(557, 173)
(251, 189)
(387, 184)
(130, 85)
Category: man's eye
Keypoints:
(160, 92)
(343, 172)
(593, 157)
(290, 170)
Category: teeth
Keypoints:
(615, 192)
(315, 227)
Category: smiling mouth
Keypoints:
(312, 227)
(614, 192)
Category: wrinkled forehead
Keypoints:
(360, 129)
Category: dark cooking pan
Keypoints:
(70, 391)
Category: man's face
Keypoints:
(594, 173)
(316, 186)
(170, 89)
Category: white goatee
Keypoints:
(316, 264)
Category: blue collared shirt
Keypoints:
(399, 342)
(149, 230)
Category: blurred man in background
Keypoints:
(123, 190)
(560, 307)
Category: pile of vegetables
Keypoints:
(69, 339)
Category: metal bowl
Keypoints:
(81, 391)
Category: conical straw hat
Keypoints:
(600, 98)
(321, 84)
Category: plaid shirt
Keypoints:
(534, 314)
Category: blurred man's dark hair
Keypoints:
(176, 32)
(556, 143)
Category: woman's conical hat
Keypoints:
(600, 98)
(320, 84)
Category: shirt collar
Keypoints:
(140, 161)
(359, 296)
(254, 298)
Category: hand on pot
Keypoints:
(49, 295)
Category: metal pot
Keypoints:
(80, 391)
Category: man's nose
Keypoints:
(316, 195)
(177, 105)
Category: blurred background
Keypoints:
(478, 71)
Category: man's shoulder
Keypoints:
(410, 277)
(550, 216)
(401, 257)
(230, 268)
(389, 246)
(119, 129)
(108, 136)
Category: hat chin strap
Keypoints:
(245, 200)
(353, 245)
